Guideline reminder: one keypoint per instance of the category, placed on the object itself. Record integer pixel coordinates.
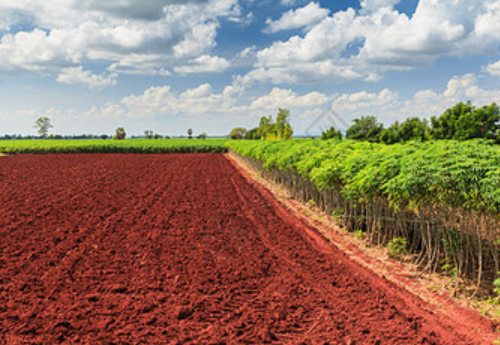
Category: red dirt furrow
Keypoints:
(181, 249)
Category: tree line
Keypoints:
(461, 122)
(44, 124)
(268, 129)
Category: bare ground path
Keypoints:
(182, 249)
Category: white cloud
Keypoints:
(362, 45)
(301, 17)
(78, 76)
(147, 37)
(459, 89)
(494, 69)
(204, 64)
(38, 51)
(217, 112)
(281, 98)
(369, 6)
(389, 106)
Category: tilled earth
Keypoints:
(181, 249)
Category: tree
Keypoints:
(190, 133)
(120, 133)
(202, 136)
(253, 134)
(365, 128)
(282, 121)
(414, 128)
(265, 126)
(237, 133)
(283, 127)
(148, 134)
(331, 133)
(43, 125)
(445, 126)
(464, 122)
(280, 130)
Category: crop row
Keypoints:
(112, 146)
(441, 199)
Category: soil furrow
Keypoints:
(181, 249)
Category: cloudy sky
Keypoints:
(211, 65)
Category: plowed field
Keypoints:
(181, 249)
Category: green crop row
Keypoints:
(462, 175)
(112, 146)
(437, 201)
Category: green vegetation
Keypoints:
(237, 133)
(267, 130)
(112, 146)
(398, 247)
(120, 134)
(461, 122)
(442, 197)
(331, 133)
(42, 126)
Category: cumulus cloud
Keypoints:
(459, 89)
(203, 102)
(306, 16)
(204, 64)
(146, 37)
(494, 69)
(362, 45)
(389, 106)
(78, 76)
(283, 98)
(370, 6)
(217, 111)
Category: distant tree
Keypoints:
(331, 133)
(464, 122)
(149, 134)
(282, 121)
(253, 134)
(202, 136)
(279, 130)
(157, 136)
(237, 133)
(365, 128)
(190, 133)
(120, 133)
(445, 126)
(283, 128)
(43, 125)
(265, 126)
(104, 136)
(414, 128)
(390, 135)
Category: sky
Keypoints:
(211, 65)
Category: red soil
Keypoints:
(182, 249)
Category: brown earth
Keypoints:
(183, 249)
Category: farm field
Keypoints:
(38, 146)
(182, 249)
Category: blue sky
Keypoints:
(211, 65)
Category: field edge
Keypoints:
(403, 275)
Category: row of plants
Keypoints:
(436, 200)
(113, 146)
